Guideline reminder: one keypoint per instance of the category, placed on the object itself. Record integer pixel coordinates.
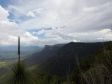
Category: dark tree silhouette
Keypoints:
(20, 74)
(19, 52)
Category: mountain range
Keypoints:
(62, 58)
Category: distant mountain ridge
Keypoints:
(57, 58)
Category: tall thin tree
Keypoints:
(19, 52)
(19, 72)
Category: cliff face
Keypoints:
(57, 59)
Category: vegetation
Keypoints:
(95, 69)
(19, 74)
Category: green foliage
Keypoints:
(101, 70)
(44, 78)
(90, 70)
(20, 75)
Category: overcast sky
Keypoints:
(41, 22)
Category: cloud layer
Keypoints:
(58, 21)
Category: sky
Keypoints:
(49, 22)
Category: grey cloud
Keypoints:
(68, 20)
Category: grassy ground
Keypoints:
(3, 64)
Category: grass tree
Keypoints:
(19, 73)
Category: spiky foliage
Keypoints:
(20, 74)
(101, 72)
